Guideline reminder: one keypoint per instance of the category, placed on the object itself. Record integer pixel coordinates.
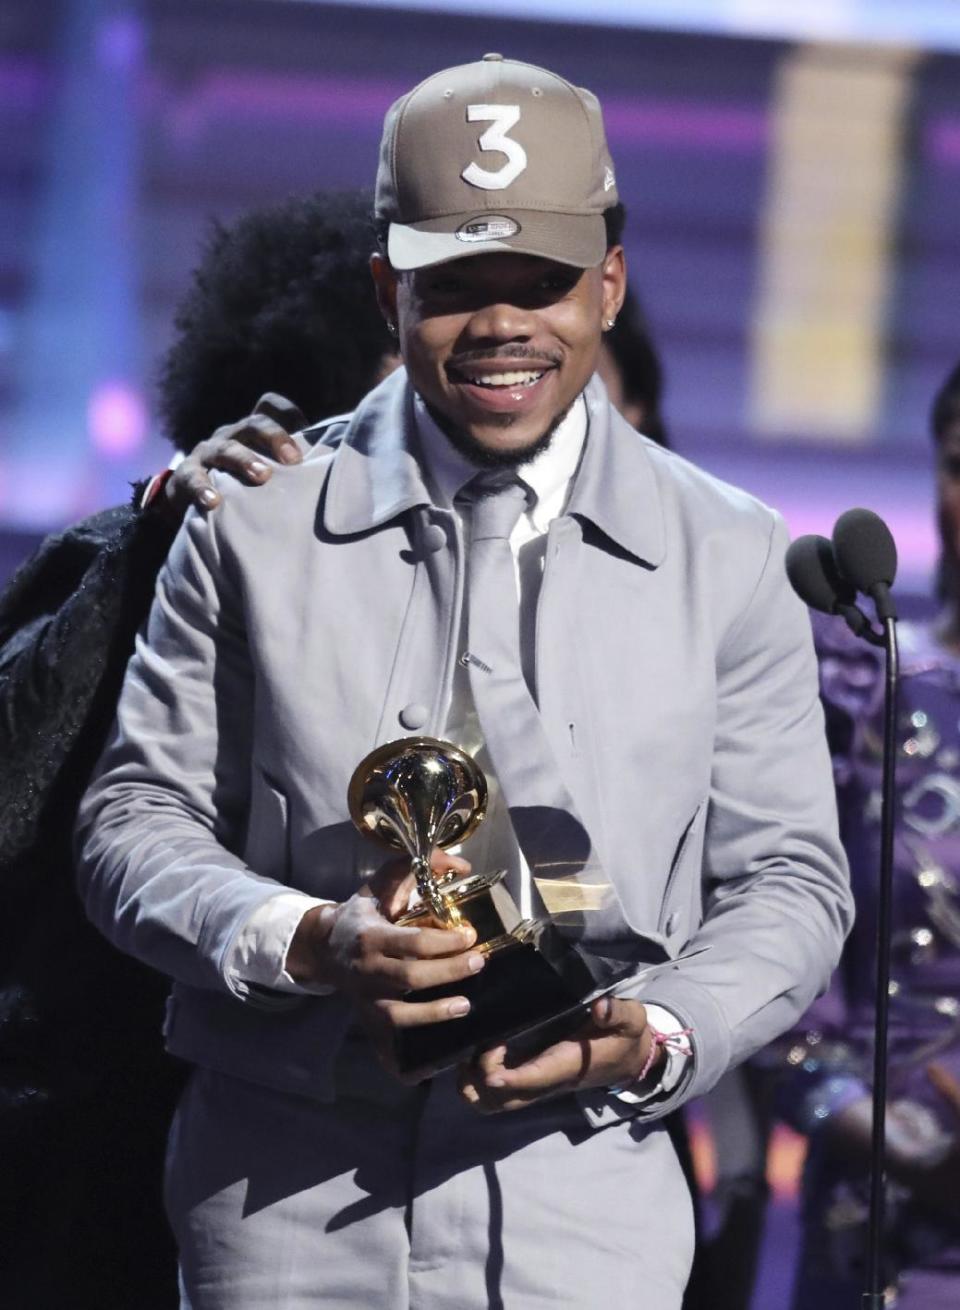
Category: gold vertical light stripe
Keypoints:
(825, 241)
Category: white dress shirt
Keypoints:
(258, 956)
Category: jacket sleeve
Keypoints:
(161, 827)
(775, 880)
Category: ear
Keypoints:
(385, 283)
(614, 274)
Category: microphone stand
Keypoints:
(873, 1297)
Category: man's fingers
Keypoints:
(283, 412)
(262, 434)
(559, 1066)
(417, 974)
(468, 1088)
(393, 961)
(191, 485)
(237, 456)
(604, 1051)
(612, 1015)
(427, 943)
(491, 1084)
(488, 1101)
(414, 1014)
(442, 862)
(394, 899)
(491, 1061)
(235, 449)
(393, 883)
(475, 1093)
(391, 886)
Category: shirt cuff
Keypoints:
(258, 956)
(677, 1053)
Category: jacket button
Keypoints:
(434, 538)
(414, 716)
(673, 920)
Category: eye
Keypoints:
(559, 282)
(444, 284)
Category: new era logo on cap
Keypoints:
(494, 155)
(497, 228)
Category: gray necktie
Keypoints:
(497, 499)
(551, 836)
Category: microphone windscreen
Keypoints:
(813, 575)
(864, 549)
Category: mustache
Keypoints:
(510, 352)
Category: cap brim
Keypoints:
(576, 239)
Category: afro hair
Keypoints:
(283, 301)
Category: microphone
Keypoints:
(866, 554)
(828, 576)
(812, 570)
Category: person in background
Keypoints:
(826, 1093)
(281, 301)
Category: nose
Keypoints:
(499, 323)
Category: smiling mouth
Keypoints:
(507, 380)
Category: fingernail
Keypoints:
(209, 496)
(459, 1007)
(475, 963)
(289, 453)
(496, 1082)
(469, 935)
(604, 1006)
(258, 467)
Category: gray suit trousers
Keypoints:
(411, 1201)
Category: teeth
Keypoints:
(514, 379)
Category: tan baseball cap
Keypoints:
(495, 156)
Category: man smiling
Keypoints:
(485, 552)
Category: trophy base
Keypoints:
(534, 983)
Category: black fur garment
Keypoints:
(86, 1091)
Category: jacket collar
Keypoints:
(376, 474)
(616, 485)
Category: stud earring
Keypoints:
(609, 323)
(392, 329)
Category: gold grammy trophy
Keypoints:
(420, 793)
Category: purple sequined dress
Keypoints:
(830, 1057)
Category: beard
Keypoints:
(482, 456)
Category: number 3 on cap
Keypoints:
(503, 117)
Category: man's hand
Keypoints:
(610, 1050)
(356, 948)
(237, 449)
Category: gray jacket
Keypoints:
(311, 619)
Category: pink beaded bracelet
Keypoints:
(670, 1041)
